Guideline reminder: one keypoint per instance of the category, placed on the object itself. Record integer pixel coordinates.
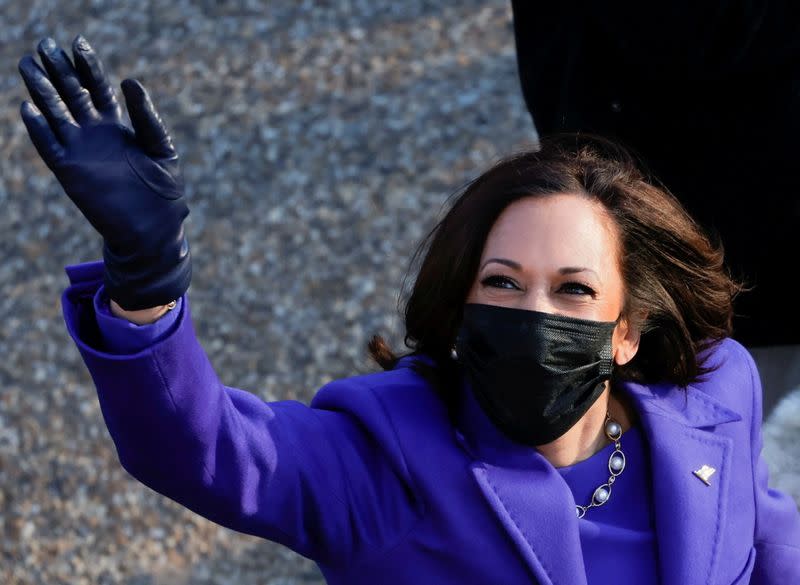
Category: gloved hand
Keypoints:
(126, 182)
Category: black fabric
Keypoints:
(534, 374)
(706, 93)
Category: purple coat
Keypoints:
(377, 484)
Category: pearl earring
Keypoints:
(453, 353)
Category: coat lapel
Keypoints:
(537, 511)
(689, 514)
(527, 495)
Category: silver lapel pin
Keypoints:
(704, 473)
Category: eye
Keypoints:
(497, 281)
(577, 288)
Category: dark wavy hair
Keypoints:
(678, 291)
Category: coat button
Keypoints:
(616, 106)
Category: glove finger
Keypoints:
(45, 142)
(48, 101)
(65, 79)
(151, 133)
(93, 77)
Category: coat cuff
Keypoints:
(92, 325)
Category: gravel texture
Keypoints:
(320, 141)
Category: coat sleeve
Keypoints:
(777, 531)
(329, 482)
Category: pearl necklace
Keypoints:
(616, 465)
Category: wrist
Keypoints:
(141, 316)
(142, 280)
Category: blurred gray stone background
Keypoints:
(320, 141)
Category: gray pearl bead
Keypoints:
(613, 429)
(601, 495)
(616, 463)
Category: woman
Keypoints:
(572, 410)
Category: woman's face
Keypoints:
(556, 254)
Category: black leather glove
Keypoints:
(126, 182)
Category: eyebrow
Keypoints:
(518, 266)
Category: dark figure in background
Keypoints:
(707, 94)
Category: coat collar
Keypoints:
(678, 423)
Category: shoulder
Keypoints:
(729, 362)
(397, 410)
(399, 394)
(730, 392)
(733, 378)
(729, 358)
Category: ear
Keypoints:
(625, 341)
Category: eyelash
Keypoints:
(584, 289)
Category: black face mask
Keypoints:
(534, 374)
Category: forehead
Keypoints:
(559, 230)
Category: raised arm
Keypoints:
(328, 481)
